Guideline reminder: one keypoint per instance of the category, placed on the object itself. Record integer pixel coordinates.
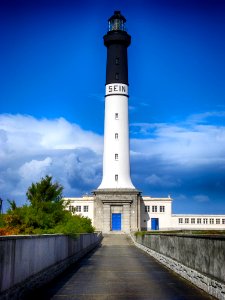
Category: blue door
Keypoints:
(116, 221)
(154, 223)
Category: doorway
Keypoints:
(155, 223)
(116, 221)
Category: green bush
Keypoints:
(46, 213)
(2, 222)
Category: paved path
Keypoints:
(118, 270)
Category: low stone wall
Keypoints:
(200, 259)
(27, 262)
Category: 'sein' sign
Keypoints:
(116, 89)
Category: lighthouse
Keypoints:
(116, 155)
(116, 205)
(117, 201)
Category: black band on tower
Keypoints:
(117, 40)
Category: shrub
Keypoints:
(45, 214)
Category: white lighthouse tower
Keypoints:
(117, 202)
(116, 157)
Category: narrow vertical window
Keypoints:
(116, 136)
(78, 208)
(154, 208)
(162, 208)
(147, 208)
(117, 61)
(116, 116)
(116, 156)
(116, 177)
(85, 208)
(117, 76)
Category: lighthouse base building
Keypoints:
(127, 211)
(117, 210)
(117, 206)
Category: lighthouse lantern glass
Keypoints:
(116, 24)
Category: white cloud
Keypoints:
(182, 197)
(38, 168)
(181, 144)
(24, 133)
(163, 181)
(201, 198)
(32, 148)
(185, 159)
(182, 159)
(204, 117)
(132, 108)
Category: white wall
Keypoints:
(200, 221)
(167, 221)
(84, 201)
(164, 217)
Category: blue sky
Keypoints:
(52, 80)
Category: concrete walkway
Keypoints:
(119, 270)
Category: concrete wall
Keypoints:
(200, 259)
(30, 261)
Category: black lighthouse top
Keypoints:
(117, 40)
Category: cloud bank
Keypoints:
(186, 160)
(31, 148)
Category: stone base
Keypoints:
(123, 201)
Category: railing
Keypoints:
(198, 258)
(27, 261)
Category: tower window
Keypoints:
(116, 136)
(116, 177)
(116, 156)
(116, 116)
(117, 61)
(117, 76)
